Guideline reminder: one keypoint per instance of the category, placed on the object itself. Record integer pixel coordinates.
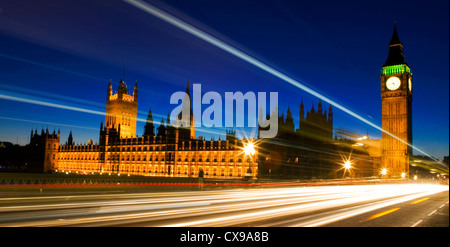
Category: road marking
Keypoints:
(382, 213)
(421, 200)
(415, 224)
(432, 212)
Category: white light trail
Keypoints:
(5, 95)
(50, 66)
(55, 105)
(222, 45)
(43, 103)
(288, 206)
(43, 122)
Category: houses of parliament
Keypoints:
(170, 152)
(314, 150)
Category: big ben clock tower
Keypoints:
(396, 97)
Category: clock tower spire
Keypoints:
(396, 98)
(395, 55)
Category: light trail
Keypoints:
(43, 122)
(44, 103)
(301, 206)
(29, 99)
(48, 95)
(49, 66)
(23, 99)
(231, 50)
(30, 93)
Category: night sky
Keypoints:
(63, 53)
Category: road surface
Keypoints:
(405, 205)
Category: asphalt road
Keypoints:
(385, 205)
(429, 211)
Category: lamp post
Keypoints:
(347, 166)
(403, 175)
(383, 172)
(249, 149)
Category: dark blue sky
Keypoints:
(65, 52)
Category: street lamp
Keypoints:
(249, 149)
(347, 166)
(383, 172)
(346, 163)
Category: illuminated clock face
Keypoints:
(393, 83)
(410, 84)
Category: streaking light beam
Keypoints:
(43, 103)
(222, 45)
(42, 122)
(23, 98)
(49, 66)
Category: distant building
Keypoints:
(171, 152)
(311, 151)
(38, 156)
(363, 152)
(300, 153)
(121, 110)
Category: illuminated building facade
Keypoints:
(121, 109)
(172, 152)
(396, 98)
